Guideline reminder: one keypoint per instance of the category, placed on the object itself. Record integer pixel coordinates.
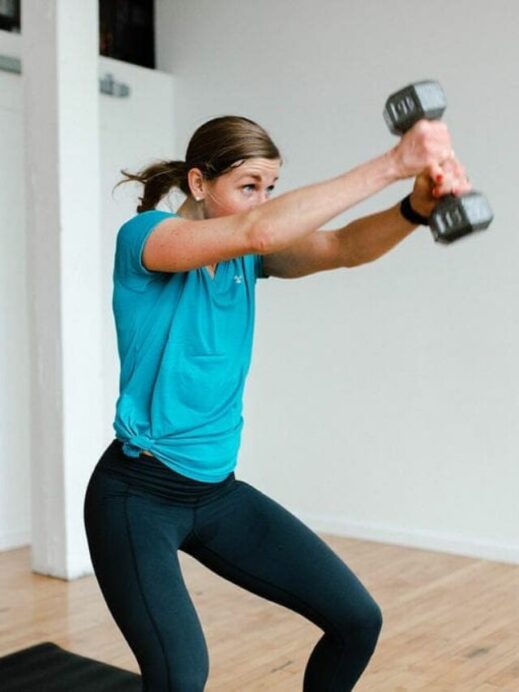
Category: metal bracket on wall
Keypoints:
(107, 84)
(8, 64)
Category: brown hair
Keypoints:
(215, 148)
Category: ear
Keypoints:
(196, 183)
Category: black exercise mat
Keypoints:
(47, 667)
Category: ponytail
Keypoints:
(158, 179)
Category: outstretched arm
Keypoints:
(368, 238)
(361, 241)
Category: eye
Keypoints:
(249, 187)
(271, 189)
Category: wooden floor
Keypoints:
(451, 623)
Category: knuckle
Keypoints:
(422, 127)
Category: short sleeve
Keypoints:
(259, 268)
(131, 238)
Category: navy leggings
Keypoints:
(139, 513)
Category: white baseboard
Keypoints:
(15, 539)
(426, 540)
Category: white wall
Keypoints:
(14, 344)
(134, 131)
(392, 389)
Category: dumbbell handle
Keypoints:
(454, 216)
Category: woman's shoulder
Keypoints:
(145, 218)
(129, 268)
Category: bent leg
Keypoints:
(133, 541)
(251, 540)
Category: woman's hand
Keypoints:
(427, 191)
(426, 151)
(424, 147)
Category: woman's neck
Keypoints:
(191, 210)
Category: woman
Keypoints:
(184, 311)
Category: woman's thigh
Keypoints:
(133, 541)
(253, 541)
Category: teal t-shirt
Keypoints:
(185, 343)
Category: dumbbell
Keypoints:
(454, 216)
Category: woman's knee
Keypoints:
(360, 626)
(374, 618)
(366, 626)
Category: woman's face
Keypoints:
(240, 189)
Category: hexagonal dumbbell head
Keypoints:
(404, 108)
(453, 217)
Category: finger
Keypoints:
(435, 172)
(460, 183)
(454, 181)
(455, 187)
(443, 181)
(462, 188)
(447, 156)
(444, 166)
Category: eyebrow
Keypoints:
(255, 176)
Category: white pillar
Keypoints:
(60, 40)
